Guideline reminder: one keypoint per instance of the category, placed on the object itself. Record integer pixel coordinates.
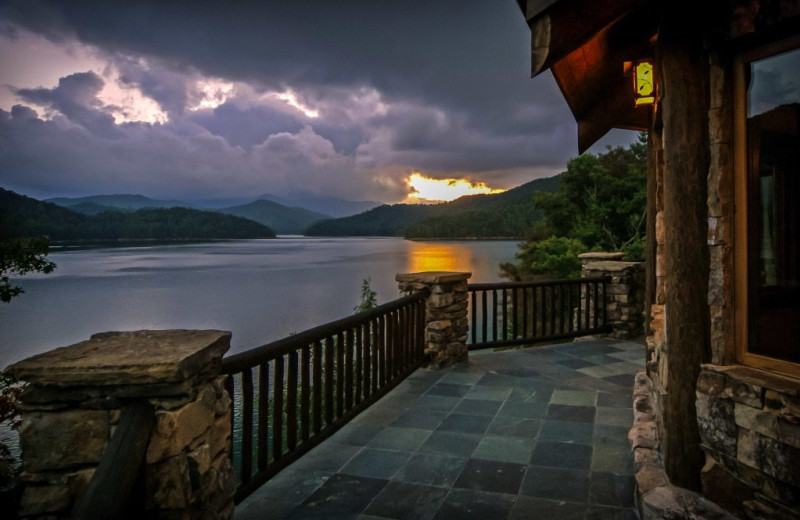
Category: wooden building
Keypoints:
(716, 84)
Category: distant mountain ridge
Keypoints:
(284, 216)
(284, 220)
(502, 215)
(120, 201)
(22, 216)
(331, 206)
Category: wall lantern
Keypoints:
(644, 85)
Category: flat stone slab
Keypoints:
(601, 256)
(434, 277)
(125, 358)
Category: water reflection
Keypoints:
(438, 256)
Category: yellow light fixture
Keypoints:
(644, 85)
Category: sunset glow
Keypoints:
(426, 189)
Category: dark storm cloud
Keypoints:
(76, 98)
(438, 86)
(245, 126)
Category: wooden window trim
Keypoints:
(740, 217)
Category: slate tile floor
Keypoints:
(539, 433)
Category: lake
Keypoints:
(260, 290)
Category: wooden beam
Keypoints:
(564, 26)
(684, 108)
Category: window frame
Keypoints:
(741, 213)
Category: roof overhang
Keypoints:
(586, 43)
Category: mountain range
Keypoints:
(22, 216)
(502, 215)
(286, 216)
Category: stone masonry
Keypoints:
(750, 429)
(73, 402)
(657, 498)
(446, 321)
(625, 293)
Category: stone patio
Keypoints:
(522, 434)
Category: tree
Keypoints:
(19, 256)
(599, 206)
(369, 298)
(601, 200)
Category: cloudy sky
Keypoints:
(199, 100)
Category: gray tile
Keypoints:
(487, 393)
(492, 476)
(505, 449)
(344, 494)
(431, 469)
(566, 431)
(574, 397)
(402, 500)
(462, 504)
(610, 416)
(532, 508)
(614, 400)
(478, 407)
(435, 403)
(560, 412)
(449, 390)
(403, 439)
(420, 419)
(291, 486)
(463, 423)
(326, 457)
(562, 455)
(514, 426)
(379, 464)
(449, 443)
(523, 409)
(556, 483)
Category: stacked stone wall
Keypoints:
(624, 305)
(750, 428)
(74, 401)
(446, 321)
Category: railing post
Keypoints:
(72, 407)
(446, 321)
(623, 298)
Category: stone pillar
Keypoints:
(73, 402)
(624, 295)
(446, 322)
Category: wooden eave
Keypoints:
(585, 44)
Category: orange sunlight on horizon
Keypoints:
(427, 189)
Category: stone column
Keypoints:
(73, 403)
(446, 322)
(624, 295)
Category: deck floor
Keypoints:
(523, 434)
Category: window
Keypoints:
(768, 189)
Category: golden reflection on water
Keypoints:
(438, 256)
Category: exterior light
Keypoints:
(643, 83)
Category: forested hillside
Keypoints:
(508, 214)
(599, 206)
(22, 216)
(282, 219)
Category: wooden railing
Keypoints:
(513, 314)
(290, 395)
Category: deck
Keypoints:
(522, 434)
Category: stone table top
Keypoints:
(125, 358)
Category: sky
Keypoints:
(199, 100)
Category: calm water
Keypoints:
(261, 290)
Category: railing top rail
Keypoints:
(511, 285)
(257, 355)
